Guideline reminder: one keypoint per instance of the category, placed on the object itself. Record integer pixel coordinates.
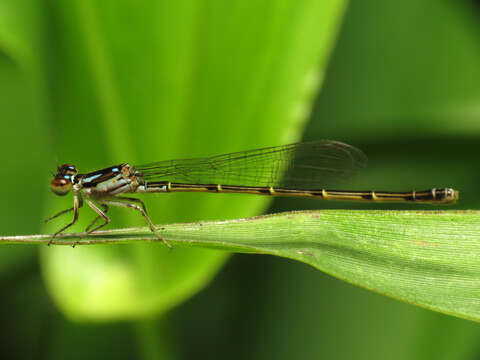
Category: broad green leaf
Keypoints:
(23, 137)
(183, 79)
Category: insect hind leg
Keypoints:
(130, 203)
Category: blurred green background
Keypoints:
(98, 83)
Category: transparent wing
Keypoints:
(307, 165)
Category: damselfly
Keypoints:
(301, 170)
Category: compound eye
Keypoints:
(61, 186)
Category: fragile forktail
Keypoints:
(300, 169)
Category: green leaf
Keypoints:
(23, 137)
(426, 258)
(184, 79)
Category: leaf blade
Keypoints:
(426, 258)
